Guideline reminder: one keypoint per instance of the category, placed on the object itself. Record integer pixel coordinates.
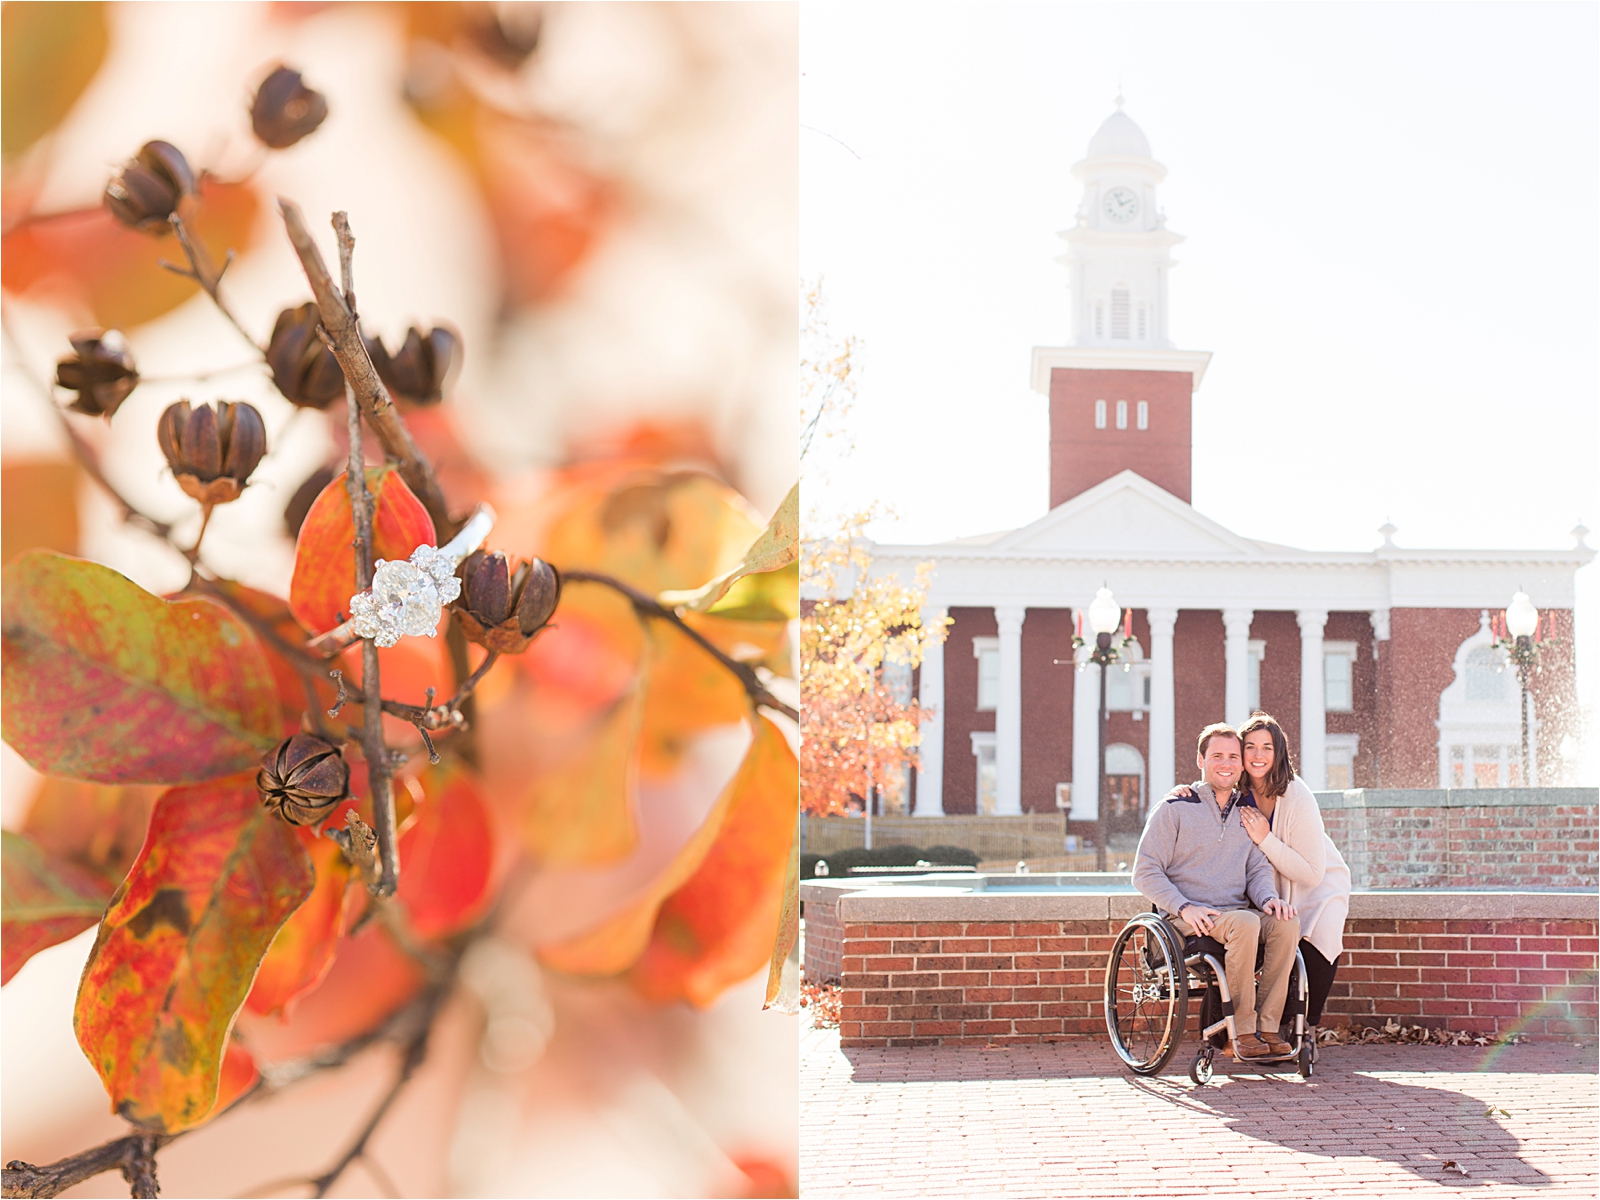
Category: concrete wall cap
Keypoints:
(1573, 797)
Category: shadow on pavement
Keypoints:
(1344, 1114)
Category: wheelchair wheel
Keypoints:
(1307, 1060)
(1146, 994)
(1200, 1068)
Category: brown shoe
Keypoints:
(1249, 1045)
(1275, 1044)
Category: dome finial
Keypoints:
(1118, 100)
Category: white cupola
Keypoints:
(1120, 249)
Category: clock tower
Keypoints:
(1119, 393)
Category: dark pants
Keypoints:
(1319, 976)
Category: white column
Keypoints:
(1085, 740)
(1008, 712)
(1313, 711)
(1236, 659)
(930, 694)
(1163, 703)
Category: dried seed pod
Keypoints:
(150, 187)
(500, 609)
(299, 506)
(423, 369)
(101, 370)
(507, 33)
(285, 109)
(212, 451)
(303, 367)
(303, 779)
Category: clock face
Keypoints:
(1121, 205)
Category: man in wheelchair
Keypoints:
(1203, 871)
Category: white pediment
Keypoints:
(1127, 514)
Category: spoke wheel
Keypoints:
(1146, 994)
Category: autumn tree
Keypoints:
(257, 797)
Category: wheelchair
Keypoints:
(1152, 972)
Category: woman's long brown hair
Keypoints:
(1282, 772)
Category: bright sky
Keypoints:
(1391, 211)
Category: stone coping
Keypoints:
(922, 901)
(1574, 797)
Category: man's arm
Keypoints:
(1154, 856)
(1260, 884)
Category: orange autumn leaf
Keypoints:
(654, 529)
(239, 1075)
(87, 258)
(446, 854)
(38, 506)
(788, 924)
(615, 944)
(47, 900)
(302, 953)
(95, 825)
(179, 948)
(688, 693)
(581, 811)
(325, 558)
(278, 632)
(718, 928)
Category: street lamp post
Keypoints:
(1103, 618)
(1518, 636)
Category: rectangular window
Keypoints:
(1099, 320)
(1099, 414)
(1338, 659)
(1122, 414)
(1340, 773)
(988, 779)
(1141, 322)
(1144, 414)
(1119, 313)
(1258, 652)
(987, 651)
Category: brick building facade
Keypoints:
(1378, 664)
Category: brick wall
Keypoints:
(1511, 838)
(1530, 969)
(824, 943)
(1082, 456)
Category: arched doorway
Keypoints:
(1125, 779)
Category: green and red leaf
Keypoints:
(324, 554)
(718, 928)
(98, 826)
(285, 636)
(446, 854)
(46, 900)
(179, 948)
(104, 681)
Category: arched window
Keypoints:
(1099, 414)
(1119, 312)
(1144, 414)
(1486, 684)
(1122, 414)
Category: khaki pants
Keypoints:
(1241, 930)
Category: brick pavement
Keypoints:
(1067, 1120)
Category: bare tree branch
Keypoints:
(648, 606)
(345, 336)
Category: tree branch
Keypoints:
(133, 1155)
(203, 272)
(381, 414)
(648, 606)
(379, 772)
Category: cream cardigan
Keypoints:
(1311, 874)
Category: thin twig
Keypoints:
(203, 272)
(647, 606)
(380, 780)
(416, 1050)
(373, 397)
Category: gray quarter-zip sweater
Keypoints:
(1194, 853)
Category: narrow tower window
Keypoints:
(1099, 320)
(1119, 313)
(1122, 414)
(1099, 414)
(1141, 326)
(1144, 414)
